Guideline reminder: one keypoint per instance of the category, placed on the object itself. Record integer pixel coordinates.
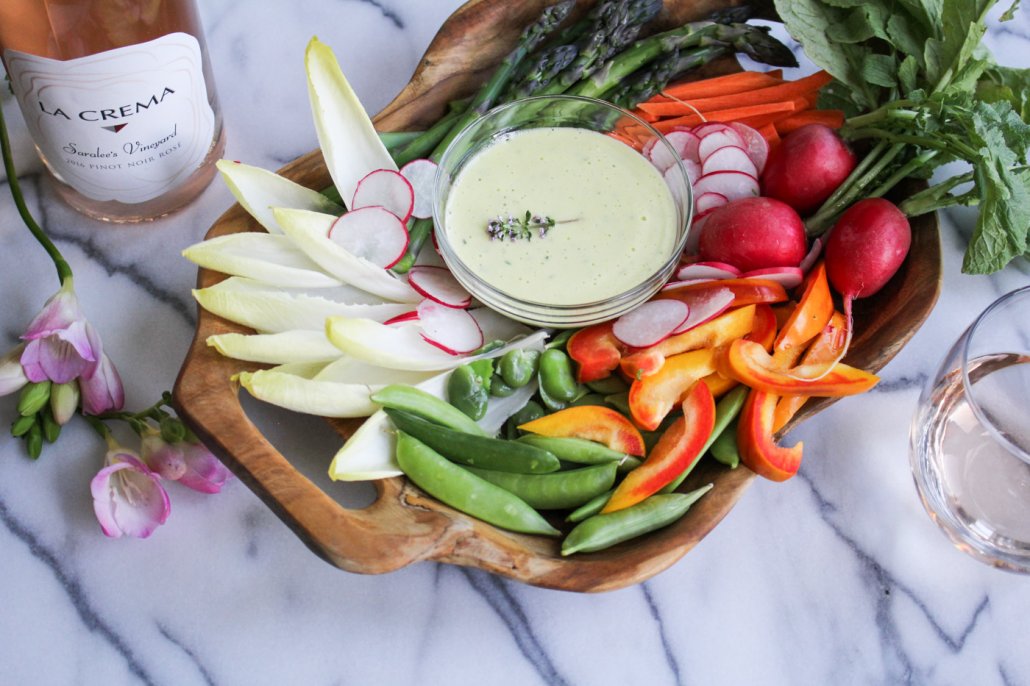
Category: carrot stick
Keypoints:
(832, 118)
(721, 85)
(788, 90)
(737, 114)
(771, 136)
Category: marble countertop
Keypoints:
(836, 576)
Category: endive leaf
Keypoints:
(259, 190)
(348, 139)
(323, 398)
(276, 348)
(349, 370)
(272, 259)
(274, 311)
(310, 232)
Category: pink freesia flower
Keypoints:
(164, 458)
(204, 472)
(61, 344)
(128, 498)
(12, 376)
(101, 388)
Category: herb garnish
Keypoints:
(515, 228)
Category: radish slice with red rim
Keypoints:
(421, 174)
(788, 277)
(706, 202)
(405, 318)
(734, 185)
(755, 145)
(729, 158)
(373, 233)
(387, 189)
(702, 130)
(704, 306)
(651, 323)
(454, 331)
(711, 142)
(813, 255)
(685, 282)
(662, 158)
(439, 285)
(707, 270)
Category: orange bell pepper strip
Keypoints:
(718, 384)
(592, 423)
(807, 320)
(596, 352)
(678, 448)
(725, 328)
(652, 397)
(745, 291)
(825, 348)
(755, 442)
(764, 329)
(748, 363)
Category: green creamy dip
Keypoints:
(615, 217)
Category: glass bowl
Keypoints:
(552, 112)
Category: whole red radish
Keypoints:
(754, 233)
(807, 167)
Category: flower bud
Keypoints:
(34, 441)
(173, 430)
(12, 376)
(22, 425)
(64, 400)
(51, 429)
(164, 458)
(33, 397)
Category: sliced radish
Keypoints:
(729, 158)
(705, 305)
(686, 282)
(650, 323)
(708, 270)
(421, 174)
(374, 233)
(403, 318)
(754, 143)
(387, 189)
(812, 256)
(734, 185)
(706, 202)
(438, 284)
(711, 142)
(693, 170)
(662, 157)
(694, 235)
(702, 130)
(788, 277)
(648, 147)
(454, 331)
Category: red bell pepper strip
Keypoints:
(592, 423)
(824, 350)
(755, 442)
(596, 351)
(678, 448)
(652, 397)
(807, 320)
(749, 363)
(764, 329)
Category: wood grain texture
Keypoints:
(404, 525)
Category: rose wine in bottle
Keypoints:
(119, 98)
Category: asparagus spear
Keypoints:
(539, 73)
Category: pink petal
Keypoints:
(59, 312)
(102, 390)
(164, 458)
(128, 498)
(204, 472)
(53, 359)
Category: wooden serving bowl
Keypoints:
(404, 525)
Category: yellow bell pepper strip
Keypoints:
(596, 352)
(718, 384)
(591, 423)
(764, 328)
(749, 363)
(652, 397)
(678, 448)
(755, 442)
(745, 291)
(807, 320)
(825, 349)
(725, 328)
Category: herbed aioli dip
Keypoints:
(616, 219)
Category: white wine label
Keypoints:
(127, 124)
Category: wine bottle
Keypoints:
(119, 99)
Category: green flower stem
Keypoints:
(64, 270)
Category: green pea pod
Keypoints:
(556, 376)
(518, 367)
(33, 397)
(581, 451)
(530, 411)
(620, 401)
(605, 530)
(427, 406)
(559, 341)
(499, 388)
(464, 491)
(467, 392)
(476, 451)
(724, 449)
(550, 403)
(588, 399)
(590, 507)
(484, 369)
(558, 491)
(609, 385)
(726, 410)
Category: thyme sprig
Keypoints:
(519, 228)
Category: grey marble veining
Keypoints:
(835, 577)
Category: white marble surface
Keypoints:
(834, 577)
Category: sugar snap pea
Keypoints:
(605, 530)
(518, 367)
(468, 389)
(726, 410)
(609, 385)
(724, 449)
(427, 406)
(550, 403)
(590, 507)
(556, 376)
(559, 341)
(477, 451)
(557, 491)
(620, 401)
(581, 451)
(530, 411)
(499, 388)
(464, 491)
(588, 399)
